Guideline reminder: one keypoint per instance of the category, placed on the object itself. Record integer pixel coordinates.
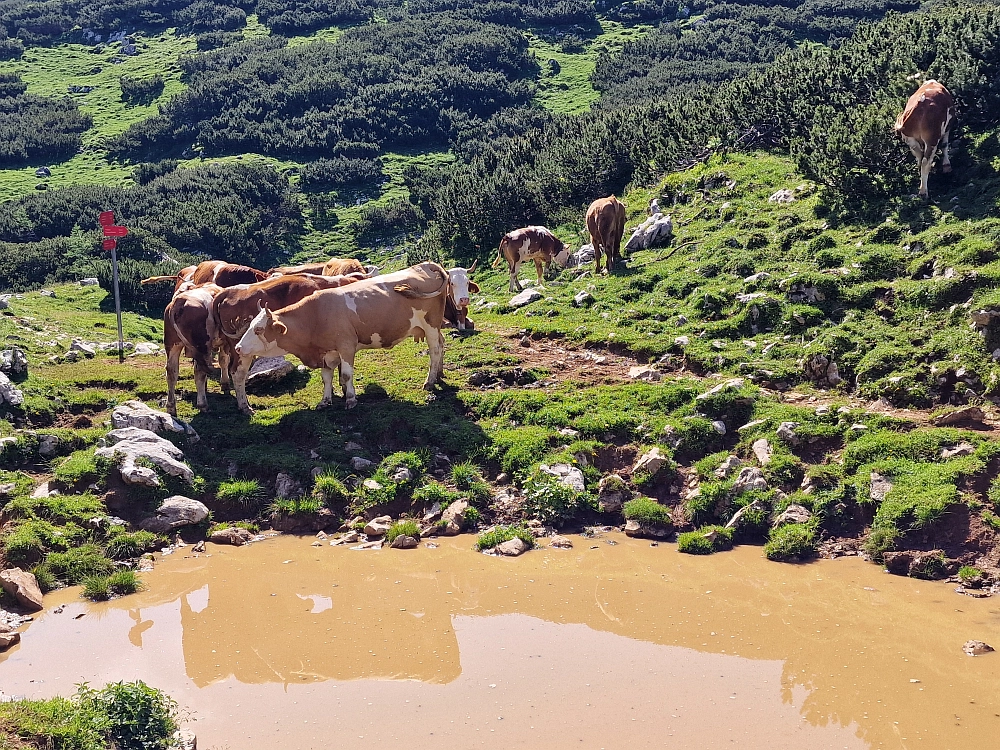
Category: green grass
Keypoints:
(125, 545)
(329, 488)
(402, 528)
(295, 506)
(645, 510)
(970, 576)
(701, 542)
(79, 468)
(78, 564)
(245, 492)
(501, 534)
(794, 541)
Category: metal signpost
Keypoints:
(111, 232)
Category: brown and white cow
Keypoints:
(234, 308)
(188, 326)
(606, 224)
(456, 310)
(216, 272)
(314, 268)
(343, 266)
(530, 243)
(326, 329)
(924, 124)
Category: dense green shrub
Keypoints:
(35, 127)
(141, 90)
(500, 534)
(645, 510)
(793, 541)
(705, 541)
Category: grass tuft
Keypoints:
(500, 534)
(402, 528)
(705, 541)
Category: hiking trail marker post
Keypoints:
(111, 233)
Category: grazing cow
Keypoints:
(530, 243)
(216, 272)
(456, 310)
(315, 268)
(326, 329)
(343, 266)
(606, 224)
(234, 308)
(188, 326)
(923, 125)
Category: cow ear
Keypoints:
(474, 287)
(281, 328)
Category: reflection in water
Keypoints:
(578, 645)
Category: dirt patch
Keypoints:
(563, 363)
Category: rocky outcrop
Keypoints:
(8, 393)
(378, 526)
(22, 586)
(137, 414)
(639, 530)
(174, 512)
(792, 514)
(233, 535)
(822, 370)
(285, 486)
(13, 362)
(750, 478)
(453, 518)
(653, 232)
(570, 476)
(525, 298)
(880, 487)
(131, 444)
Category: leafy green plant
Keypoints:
(295, 506)
(406, 527)
(645, 510)
(500, 534)
(125, 545)
(135, 715)
(79, 563)
(245, 492)
(472, 516)
(705, 541)
(549, 500)
(435, 492)
(793, 541)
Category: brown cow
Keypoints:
(188, 326)
(314, 268)
(530, 243)
(326, 329)
(343, 266)
(216, 272)
(924, 124)
(606, 224)
(456, 310)
(235, 307)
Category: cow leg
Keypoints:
(926, 162)
(515, 284)
(201, 384)
(347, 379)
(435, 349)
(539, 273)
(240, 384)
(330, 362)
(225, 362)
(173, 367)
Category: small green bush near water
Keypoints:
(702, 542)
(119, 583)
(127, 544)
(435, 492)
(970, 576)
(645, 510)
(330, 490)
(124, 715)
(402, 528)
(793, 541)
(245, 492)
(253, 528)
(78, 564)
(500, 534)
(293, 506)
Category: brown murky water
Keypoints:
(309, 647)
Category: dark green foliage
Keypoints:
(339, 171)
(141, 90)
(138, 717)
(705, 541)
(793, 541)
(290, 17)
(35, 127)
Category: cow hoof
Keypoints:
(946, 169)
(248, 411)
(351, 403)
(324, 404)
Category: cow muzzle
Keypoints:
(239, 349)
(463, 302)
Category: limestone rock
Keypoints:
(525, 298)
(645, 373)
(729, 385)
(650, 462)
(612, 493)
(137, 414)
(402, 474)
(269, 370)
(145, 348)
(962, 449)
(174, 512)
(560, 542)
(960, 416)
(976, 648)
(639, 530)
(880, 487)
(454, 518)
(22, 585)
(361, 464)
(570, 476)
(85, 348)
(13, 361)
(719, 426)
(350, 537)
(512, 547)
(821, 369)
(371, 485)
(12, 639)
(46, 293)
(90, 281)
(130, 444)
(48, 445)
(782, 196)
(792, 514)
(433, 513)
(4, 301)
(653, 232)
(8, 393)
(750, 478)
(378, 526)
(285, 486)
(728, 466)
(233, 535)
(786, 433)
(404, 541)
(583, 298)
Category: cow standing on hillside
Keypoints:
(924, 125)
(530, 243)
(326, 329)
(606, 224)
(188, 326)
(234, 308)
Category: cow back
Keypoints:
(926, 113)
(342, 266)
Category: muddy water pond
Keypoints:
(599, 646)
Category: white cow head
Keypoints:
(461, 288)
(562, 257)
(260, 340)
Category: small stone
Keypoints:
(682, 341)
(976, 648)
(650, 462)
(454, 518)
(719, 426)
(560, 542)
(11, 639)
(525, 298)
(962, 449)
(349, 538)
(46, 293)
(583, 298)
(512, 547)
(199, 547)
(90, 281)
(8, 393)
(22, 585)
(378, 526)
(269, 370)
(729, 385)
(786, 433)
(794, 513)
(48, 445)
(233, 535)
(174, 512)
(402, 474)
(13, 361)
(361, 464)
(728, 466)
(750, 478)
(762, 451)
(645, 373)
(137, 414)
(570, 476)
(352, 447)
(85, 348)
(404, 541)
(129, 445)
(371, 485)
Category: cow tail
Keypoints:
(154, 279)
(407, 291)
(499, 254)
